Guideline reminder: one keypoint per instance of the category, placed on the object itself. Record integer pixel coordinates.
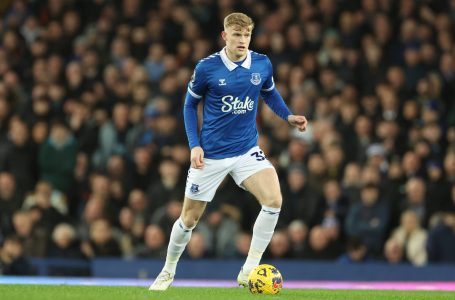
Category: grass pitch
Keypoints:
(66, 292)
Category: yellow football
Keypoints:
(265, 279)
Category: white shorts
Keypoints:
(201, 184)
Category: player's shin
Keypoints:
(262, 234)
(180, 236)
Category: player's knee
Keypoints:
(190, 220)
(274, 201)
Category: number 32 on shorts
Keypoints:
(259, 155)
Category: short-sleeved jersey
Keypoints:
(230, 93)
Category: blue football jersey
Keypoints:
(230, 93)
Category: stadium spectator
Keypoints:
(57, 158)
(117, 199)
(242, 244)
(116, 168)
(43, 195)
(376, 153)
(301, 201)
(142, 169)
(438, 189)
(332, 207)
(17, 155)
(154, 243)
(34, 239)
(98, 186)
(114, 136)
(94, 209)
(393, 187)
(219, 231)
(368, 219)
(10, 201)
(167, 215)
(416, 199)
(298, 233)
(411, 165)
(317, 172)
(356, 252)
(130, 232)
(45, 214)
(12, 258)
(64, 242)
(101, 241)
(371, 176)
(138, 203)
(168, 186)
(362, 139)
(196, 248)
(412, 238)
(280, 246)
(351, 183)
(441, 240)
(449, 166)
(393, 252)
(39, 132)
(319, 245)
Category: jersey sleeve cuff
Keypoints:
(269, 89)
(194, 145)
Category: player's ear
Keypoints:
(223, 34)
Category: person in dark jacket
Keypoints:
(18, 155)
(64, 242)
(101, 242)
(368, 219)
(57, 158)
(441, 240)
(12, 260)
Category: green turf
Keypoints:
(64, 292)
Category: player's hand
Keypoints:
(298, 121)
(197, 158)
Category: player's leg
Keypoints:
(257, 175)
(180, 236)
(181, 231)
(265, 186)
(201, 186)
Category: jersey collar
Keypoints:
(230, 64)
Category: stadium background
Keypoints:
(93, 155)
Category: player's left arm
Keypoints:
(274, 100)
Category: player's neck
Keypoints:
(233, 57)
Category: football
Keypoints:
(265, 279)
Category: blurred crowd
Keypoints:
(93, 152)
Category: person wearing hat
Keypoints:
(376, 155)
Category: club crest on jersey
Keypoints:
(194, 188)
(255, 78)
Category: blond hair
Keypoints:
(238, 19)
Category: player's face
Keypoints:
(237, 41)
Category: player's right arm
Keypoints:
(196, 89)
